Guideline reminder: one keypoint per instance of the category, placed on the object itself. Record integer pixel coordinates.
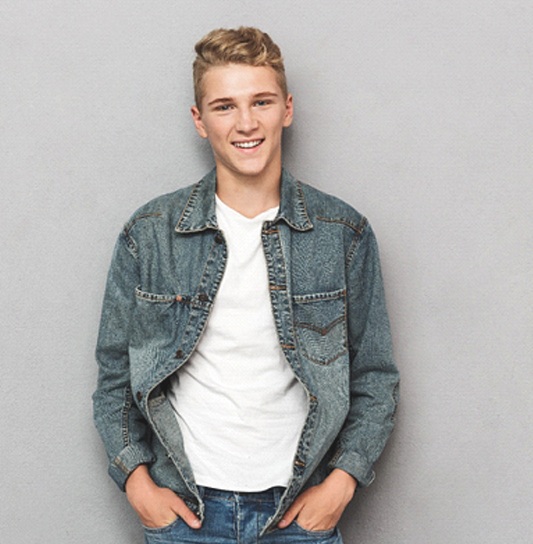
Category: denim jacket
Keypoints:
(329, 311)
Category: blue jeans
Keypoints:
(237, 518)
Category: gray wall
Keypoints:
(417, 112)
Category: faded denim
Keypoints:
(329, 310)
(237, 518)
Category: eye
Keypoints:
(263, 102)
(223, 107)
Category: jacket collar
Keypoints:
(200, 213)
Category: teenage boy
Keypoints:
(246, 382)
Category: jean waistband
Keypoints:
(272, 495)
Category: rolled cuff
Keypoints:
(127, 461)
(356, 465)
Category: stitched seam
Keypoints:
(322, 330)
(359, 228)
(317, 297)
(125, 415)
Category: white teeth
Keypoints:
(247, 145)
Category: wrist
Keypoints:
(343, 480)
(138, 478)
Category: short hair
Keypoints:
(244, 45)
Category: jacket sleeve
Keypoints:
(121, 425)
(374, 378)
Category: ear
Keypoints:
(289, 111)
(198, 123)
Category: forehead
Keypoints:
(236, 80)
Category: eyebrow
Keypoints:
(225, 100)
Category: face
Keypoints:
(243, 113)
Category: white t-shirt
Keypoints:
(240, 408)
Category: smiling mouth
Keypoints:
(248, 145)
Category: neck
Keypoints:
(249, 196)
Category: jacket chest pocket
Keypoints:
(320, 323)
(157, 316)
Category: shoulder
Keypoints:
(322, 206)
(165, 208)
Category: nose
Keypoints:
(246, 121)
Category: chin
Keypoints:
(251, 172)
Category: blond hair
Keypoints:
(244, 45)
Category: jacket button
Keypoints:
(202, 297)
(139, 396)
(179, 354)
(219, 238)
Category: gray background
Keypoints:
(417, 112)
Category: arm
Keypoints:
(121, 424)
(373, 394)
(119, 421)
(374, 378)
